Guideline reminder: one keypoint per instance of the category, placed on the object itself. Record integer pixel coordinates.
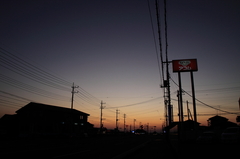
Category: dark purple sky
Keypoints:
(107, 48)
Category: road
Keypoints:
(155, 149)
(113, 147)
(92, 147)
(206, 150)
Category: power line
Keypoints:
(30, 72)
(10, 94)
(86, 98)
(220, 89)
(155, 43)
(203, 102)
(33, 76)
(160, 38)
(11, 98)
(129, 105)
(166, 35)
(10, 104)
(31, 89)
(34, 68)
(87, 95)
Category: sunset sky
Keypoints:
(107, 48)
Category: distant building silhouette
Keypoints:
(187, 125)
(8, 125)
(42, 119)
(186, 129)
(238, 119)
(219, 122)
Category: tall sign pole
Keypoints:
(180, 108)
(187, 65)
(180, 97)
(193, 98)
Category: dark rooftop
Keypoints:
(39, 106)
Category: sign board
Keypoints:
(185, 65)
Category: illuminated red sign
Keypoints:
(185, 65)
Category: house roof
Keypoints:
(38, 106)
(191, 121)
(217, 117)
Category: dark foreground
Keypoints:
(113, 147)
(107, 147)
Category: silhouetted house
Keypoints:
(187, 125)
(8, 125)
(219, 122)
(238, 119)
(36, 118)
(185, 129)
(190, 125)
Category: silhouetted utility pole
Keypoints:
(134, 120)
(72, 120)
(124, 116)
(101, 107)
(73, 92)
(147, 127)
(117, 112)
(165, 71)
(189, 112)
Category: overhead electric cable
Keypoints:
(12, 98)
(203, 102)
(155, 43)
(30, 72)
(136, 103)
(160, 39)
(30, 75)
(86, 99)
(13, 95)
(166, 36)
(96, 100)
(31, 89)
(6, 102)
(34, 68)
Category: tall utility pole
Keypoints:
(124, 126)
(101, 107)
(134, 120)
(167, 96)
(117, 112)
(166, 81)
(147, 127)
(170, 111)
(189, 112)
(73, 92)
